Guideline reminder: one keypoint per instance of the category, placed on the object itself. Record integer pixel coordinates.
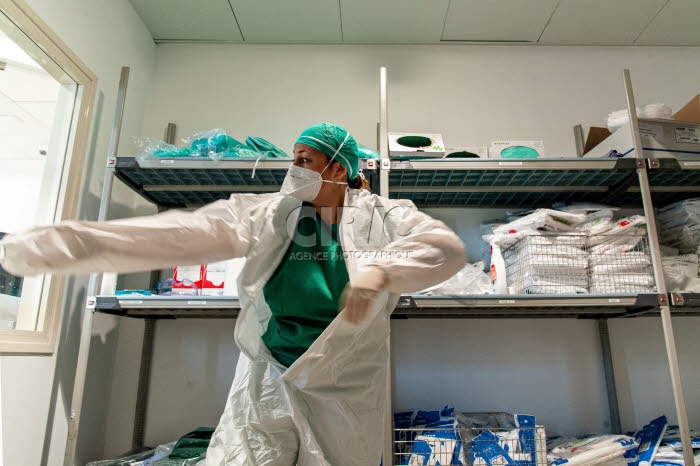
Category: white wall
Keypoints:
(37, 390)
(472, 95)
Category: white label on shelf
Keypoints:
(510, 164)
(197, 302)
(163, 162)
(506, 301)
(688, 135)
(131, 302)
(691, 164)
(613, 300)
(648, 132)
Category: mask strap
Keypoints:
(252, 175)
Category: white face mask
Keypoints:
(305, 184)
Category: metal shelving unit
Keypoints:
(632, 182)
(460, 183)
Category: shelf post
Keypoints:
(659, 275)
(383, 135)
(86, 326)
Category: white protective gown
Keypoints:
(328, 407)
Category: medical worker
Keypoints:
(326, 264)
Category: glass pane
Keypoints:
(36, 111)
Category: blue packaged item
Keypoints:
(672, 437)
(487, 450)
(649, 438)
(430, 437)
(514, 433)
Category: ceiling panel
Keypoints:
(677, 24)
(600, 21)
(393, 20)
(288, 21)
(497, 20)
(188, 20)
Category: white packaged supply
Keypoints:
(596, 449)
(582, 207)
(667, 455)
(620, 118)
(633, 258)
(681, 273)
(616, 244)
(542, 219)
(596, 223)
(534, 285)
(633, 279)
(615, 289)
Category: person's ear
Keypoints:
(340, 173)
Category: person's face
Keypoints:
(308, 157)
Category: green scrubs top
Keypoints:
(304, 292)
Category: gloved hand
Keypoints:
(359, 295)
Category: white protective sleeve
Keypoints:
(215, 232)
(423, 251)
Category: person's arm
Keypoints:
(423, 251)
(215, 232)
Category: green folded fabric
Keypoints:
(265, 147)
(192, 444)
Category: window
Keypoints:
(46, 97)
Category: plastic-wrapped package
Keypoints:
(593, 450)
(216, 144)
(681, 273)
(597, 222)
(367, 152)
(428, 438)
(668, 456)
(649, 438)
(266, 148)
(620, 118)
(582, 207)
(542, 219)
(151, 148)
(502, 439)
(672, 438)
(146, 458)
(470, 280)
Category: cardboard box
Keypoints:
(596, 135)
(402, 145)
(481, 151)
(691, 112)
(497, 148)
(660, 138)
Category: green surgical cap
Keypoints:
(327, 138)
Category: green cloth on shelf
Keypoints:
(192, 444)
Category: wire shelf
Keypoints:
(192, 182)
(574, 263)
(495, 182)
(525, 446)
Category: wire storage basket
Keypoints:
(525, 446)
(572, 263)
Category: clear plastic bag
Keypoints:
(619, 118)
(470, 280)
(154, 149)
(216, 144)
